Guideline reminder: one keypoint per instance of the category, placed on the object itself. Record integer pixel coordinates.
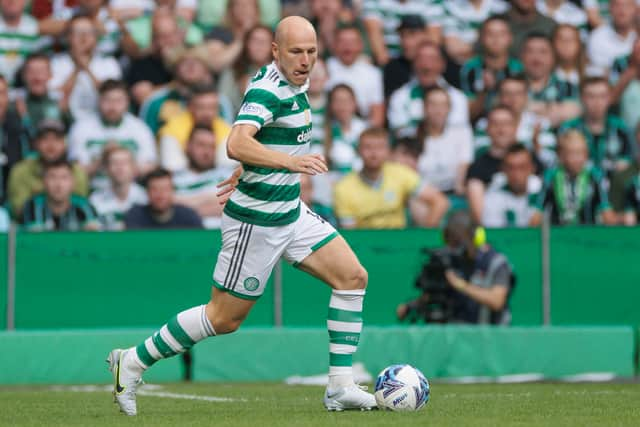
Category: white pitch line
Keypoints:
(145, 390)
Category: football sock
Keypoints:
(344, 323)
(177, 336)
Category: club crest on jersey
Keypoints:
(304, 136)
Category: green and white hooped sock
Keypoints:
(344, 323)
(177, 336)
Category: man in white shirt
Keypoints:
(113, 125)
(196, 185)
(114, 201)
(406, 105)
(510, 200)
(78, 73)
(347, 66)
(614, 39)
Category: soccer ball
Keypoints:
(401, 388)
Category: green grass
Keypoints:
(280, 405)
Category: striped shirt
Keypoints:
(187, 182)
(16, 43)
(463, 20)
(111, 209)
(282, 115)
(390, 13)
(37, 216)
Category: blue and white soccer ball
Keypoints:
(401, 388)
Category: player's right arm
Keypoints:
(243, 147)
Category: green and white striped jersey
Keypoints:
(16, 43)
(281, 112)
(390, 13)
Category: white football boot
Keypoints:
(350, 397)
(125, 382)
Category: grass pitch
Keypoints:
(262, 405)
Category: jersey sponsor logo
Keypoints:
(251, 283)
(251, 108)
(304, 136)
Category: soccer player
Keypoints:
(263, 221)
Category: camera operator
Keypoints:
(465, 282)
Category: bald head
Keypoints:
(295, 49)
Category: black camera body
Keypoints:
(437, 307)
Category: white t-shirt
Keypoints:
(503, 208)
(84, 95)
(88, 137)
(605, 45)
(441, 157)
(364, 78)
(111, 209)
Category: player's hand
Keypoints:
(229, 185)
(310, 164)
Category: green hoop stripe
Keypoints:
(336, 359)
(345, 315)
(179, 334)
(260, 218)
(163, 347)
(348, 338)
(144, 355)
(269, 192)
(263, 97)
(264, 171)
(270, 135)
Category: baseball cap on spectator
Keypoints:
(411, 22)
(50, 125)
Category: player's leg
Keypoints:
(320, 251)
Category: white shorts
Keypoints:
(249, 252)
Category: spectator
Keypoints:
(161, 212)
(382, 18)
(326, 17)
(58, 209)
(130, 9)
(318, 101)
(112, 125)
(611, 40)
(597, 12)
(407, 151)
(5, 222)
(139, 31)
(190, 70)
(256, 53)
(19, 37)
(25, 178)
(225, 43)
(342, 130)
(447, 150)
(195, 186)
(549, 98)
(78, 74)
(608, 139)
(464, 18)
(212, 13)
(406, 106)
(36, 102)
(524, 19)
(378, 196)
(501, 129)
(150, 72)
(625, 78)
(564, 12)
(621, 182)
(348, 67)
(480, 76)
(570, 58)
(202, 110)
(574, 193)
(11, 148)
(512, 203)
(398, 70)
(113, 201)
(533, 131)
(99, 13)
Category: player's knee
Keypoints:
(359, 278)
(225, 325)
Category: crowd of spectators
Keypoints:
(114, 114)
